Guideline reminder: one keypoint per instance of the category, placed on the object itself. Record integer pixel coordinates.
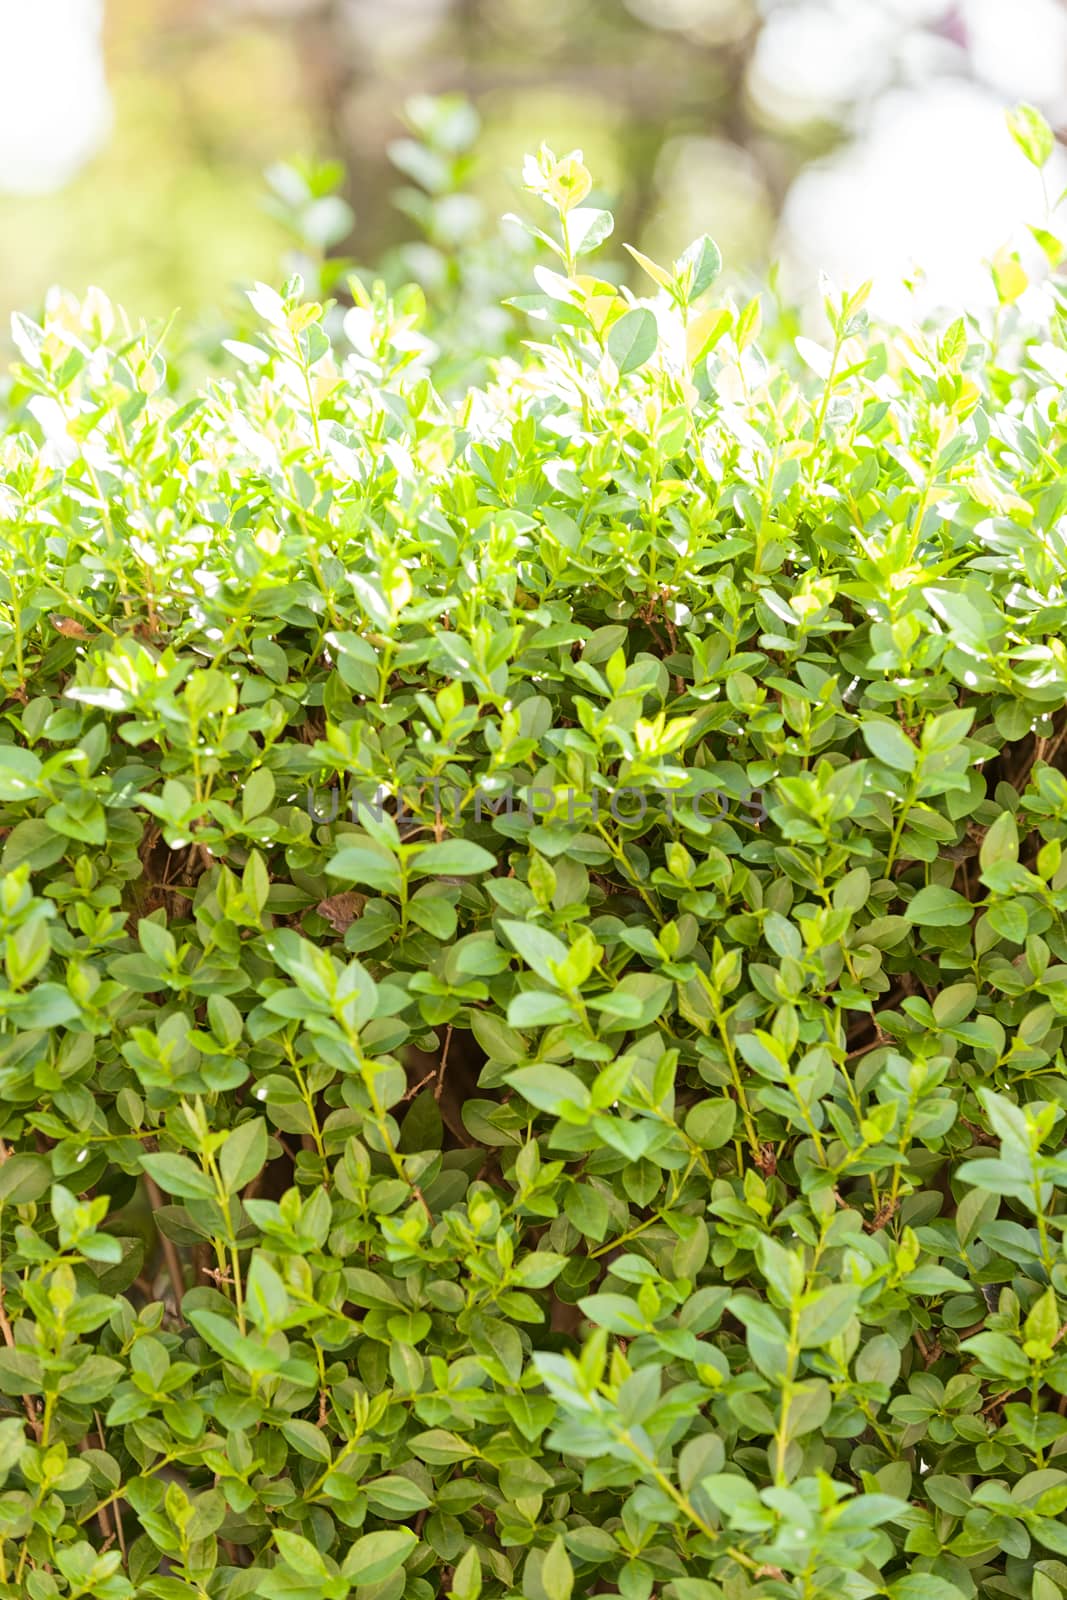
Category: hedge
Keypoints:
(534, 950)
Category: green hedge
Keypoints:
(534, 951)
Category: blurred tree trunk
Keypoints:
(662, 83)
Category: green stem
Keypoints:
(781, 1433)
(684, 1504)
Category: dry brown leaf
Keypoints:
(341, 910)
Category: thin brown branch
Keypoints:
(9, 1339)
(168, 1247)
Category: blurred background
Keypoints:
(850, 135)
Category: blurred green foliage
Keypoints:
(208, 93)
(171, 209)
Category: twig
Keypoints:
(413, 1091)
(116, 1505)
(9, 1339)
(170, 1253)
(443, 1063)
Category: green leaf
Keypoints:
(92, 1379)
(20, 1372)
(178, 1175)
(1009, 919)
(267, 1300)
(1001, 843)
(616, 1312)
(19, 773)
(997, 1353)
(251, 1355)
(536, 1009)
(1031, 133)
(540, 950)
(633, 339)
(890, 745)
(557, 1574)
(467, 1576)
(243, 1154)
(452, 858)
(395, 1497)
(936, 907)
(369, 864)
(299, 1553)
(711, 1123)
(257, 795)
(13, 1444)
(440, 1447)
(587, 228)
(969, 617)
(548, 1088)
(698, 266)
(826, 1315)
(658, 274)
(924, 1586)
(370, 1290)
(376, 1556)
(1041, 1329)
(24, 1178)
(306, 1439)
(879, 1361)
